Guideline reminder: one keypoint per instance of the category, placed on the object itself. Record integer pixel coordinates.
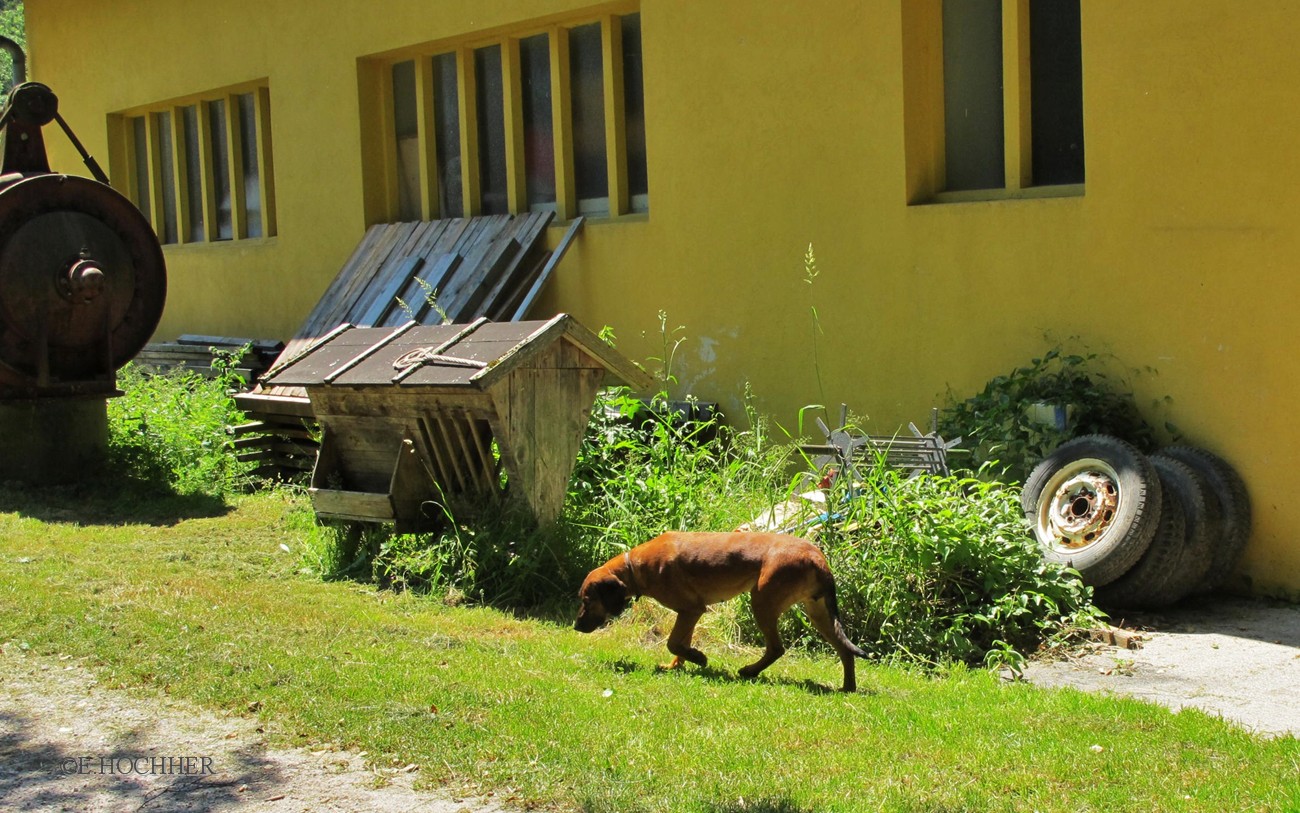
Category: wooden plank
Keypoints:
(527, 233)
(384, 302)
(257, 345)
(513, 282)
(434, 453)
(424, 247)
(478, 286)
(445, 266)
(296, 431)
(395, 262)
(397, 236)
(547, 270)
(474, 256)
(443, 433)
(334, 305)
(525, 275)
(262, 404)
(363, 506)
(342, 284)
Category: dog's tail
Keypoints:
(832, 605)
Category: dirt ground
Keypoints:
(67, 743)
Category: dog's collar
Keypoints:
(631, 575)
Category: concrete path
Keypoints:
(1236, 658)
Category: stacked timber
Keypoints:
(196, 354)
(282, 443)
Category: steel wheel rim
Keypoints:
(1078, 506)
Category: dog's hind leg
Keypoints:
(828, 626)
(679, 640)
(767, 613)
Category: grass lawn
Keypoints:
(210, 607)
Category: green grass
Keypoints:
(203, 602)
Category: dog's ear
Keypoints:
(612, 595)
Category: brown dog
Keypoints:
(687, 572)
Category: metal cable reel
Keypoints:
(82, 288)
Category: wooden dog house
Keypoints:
(416, 416)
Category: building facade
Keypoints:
(979, 180)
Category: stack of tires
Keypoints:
(1144, 531)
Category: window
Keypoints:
(201, 170)
(994, 98)
(539, 120)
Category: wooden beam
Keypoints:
(513, 101)
(611, 38)
(428, 141)
(566, 187)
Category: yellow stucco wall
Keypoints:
(770, 126)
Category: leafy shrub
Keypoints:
(999, 429)
(169, 430)
(941, 569)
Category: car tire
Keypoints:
(1179, 554)
(1233, 500)
(1094, 504)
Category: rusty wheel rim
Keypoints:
(1078, 506)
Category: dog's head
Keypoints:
(603, 598)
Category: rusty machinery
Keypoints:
(82, 286)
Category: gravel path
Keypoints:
(67, 743)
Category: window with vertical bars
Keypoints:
(201, 170)
(975, 34)
(546, 119)
(995, 98)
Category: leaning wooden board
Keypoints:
(473, 266)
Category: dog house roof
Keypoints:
(475, 355)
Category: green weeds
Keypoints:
(935, 570)
(1011, 424)
(169, 431)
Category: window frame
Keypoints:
(127, 172)
(621, 203)
(924, 109)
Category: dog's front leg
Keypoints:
(679, 640)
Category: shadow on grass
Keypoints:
(712, 674)
(775, 804)
(769, 805)
(108, 500)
